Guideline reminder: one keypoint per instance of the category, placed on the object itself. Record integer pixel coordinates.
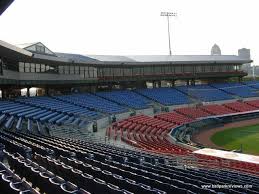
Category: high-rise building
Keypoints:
(215, 50)
(244, 53)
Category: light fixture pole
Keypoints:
(253, 72)
(168, 15)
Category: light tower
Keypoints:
(168, 15)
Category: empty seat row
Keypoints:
(205, 93)
(127, 98)
(56, 105)
(40, 177)
(193, 112)
(240, 106)
(11, 183)
(108, 169)
(237, 89)
(93, 102)
(165, 96)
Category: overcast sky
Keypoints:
(128, 27)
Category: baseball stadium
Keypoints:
(122, 124)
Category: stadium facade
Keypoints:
(35, 65)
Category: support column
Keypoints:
(173, 83)
(140, 84)
(4, 93)
(159, 84)
(47, 91)
(93, 89)
(28, 92)
(193, 82)
(154, 84)
(109, 86)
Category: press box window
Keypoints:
(21, 67)
(40, 49)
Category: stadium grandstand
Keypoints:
(82, 124)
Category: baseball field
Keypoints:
(233, 138)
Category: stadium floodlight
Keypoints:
(168, 15)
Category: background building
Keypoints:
(215, 50)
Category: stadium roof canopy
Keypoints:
(39, 51)
(14, 52)
(4, 4)
(168, 58)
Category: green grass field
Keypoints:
(232, 138)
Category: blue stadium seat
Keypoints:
(2, 118)
(39, 128)
(69, 120)
(41, 115)
(48, 117)
(19, 124)
(30, 115)
(76, 121)
(165, 96)
(252, 84)
(55, 118)
(28, 112)
(29, 125)
(9, 122)
(22, 110)
(205, 93)
(237, 89)
(56, 105)
(127, 98)
(62, 119)
(93, 102)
